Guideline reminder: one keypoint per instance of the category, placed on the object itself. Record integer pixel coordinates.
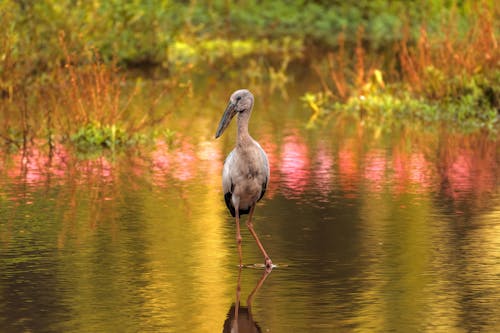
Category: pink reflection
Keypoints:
(323, 170)
(180, 162)
(184, 162)
(36, 166)
(294, 166)
(100, 168)
(209, 154)
(470, 167)
(160, 159)
(460, 175)
(400, 168)
(348, 170)
(420, 170)
(271, 149)
(375, 166)
(412, 172)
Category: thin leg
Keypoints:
(238, 236)
(237, 303)
(257, 287)
(269, 263)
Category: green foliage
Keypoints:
(62, 61)
(168, 135)
(144, 32)
(211, 51)
(471, 105)
(95, 137)
(12, 138)
(378, 108)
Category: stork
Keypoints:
(245, 174)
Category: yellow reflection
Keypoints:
(211, 252)
(481, 270)
(187, 250)
(396, 249)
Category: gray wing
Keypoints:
(227, 183)
(226, 176)
(266, 171)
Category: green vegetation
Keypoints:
(149, 32)
(63, 63)
(450, 76)
(474, 108)
(95, 136)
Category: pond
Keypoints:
(372, 231)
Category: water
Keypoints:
(371, 232)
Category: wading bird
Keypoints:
(246, 169)
(240, 318)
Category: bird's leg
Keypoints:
(238, 235)
(237, 303)
(269, 263)
(257, 287)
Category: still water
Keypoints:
(373, 232)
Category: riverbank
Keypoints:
(103, 76)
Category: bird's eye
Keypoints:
(238, 98)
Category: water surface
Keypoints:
(398, 231)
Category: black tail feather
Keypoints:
(229, 204)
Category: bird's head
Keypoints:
(240, 101)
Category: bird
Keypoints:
(245, 173)
(239, 318)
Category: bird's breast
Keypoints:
(245, 174)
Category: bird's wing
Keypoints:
(266, 164)
(227, 183)
(266, 171)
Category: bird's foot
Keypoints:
(269, 263)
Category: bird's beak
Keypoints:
(226, 119)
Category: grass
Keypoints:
(448, 78)
(76, 88)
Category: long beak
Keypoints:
(226, 119)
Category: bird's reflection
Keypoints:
(240, 318)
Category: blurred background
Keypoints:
(380, 121)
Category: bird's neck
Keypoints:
(243, 135)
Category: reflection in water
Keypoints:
(323, 171)
(375, 168)
(348, 169)
(294, 166)
(398, 234)
(240, 318)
